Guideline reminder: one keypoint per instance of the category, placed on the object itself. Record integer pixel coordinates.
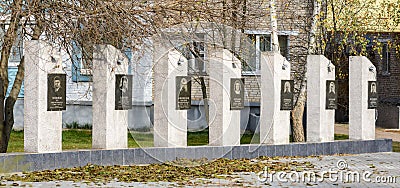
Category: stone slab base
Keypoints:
(23, 162)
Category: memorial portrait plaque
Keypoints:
(372, 95)
(331, 94)
(237, 93)
(123, 92)
(56, 92)
(183, 93)
(287, 87)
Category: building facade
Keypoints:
(254, 23)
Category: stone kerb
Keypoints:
(23, 162)
(170, 124)
(109, 125)
(320, 120)
(42, 128)
(361, 119)
(224, 126)
(274, 122)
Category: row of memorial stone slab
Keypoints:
(111, 93)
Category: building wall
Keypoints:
(388, 82)
(293, 19)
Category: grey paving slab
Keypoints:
(107, 157)
(73, 159)
(218, 152)
(302, 150)
(118, 157)
(202, 152)
(271, 150)
(311, 149)
(95, 157)
(140, 156)
(279, 150)
(262, 150)
(180, 153)
(128, 156)
(236, 152)
(326, 148)
(253, 151)
(227, 152)
(190, 153)
(155, 155)
(30, 162)
(319, 149)
(62, 159)
(170, 154)
(49, 161)
(84, 157)
(344, 147)
(334, 148)
(287, 150)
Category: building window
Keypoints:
(195, 53)
(385, 60)
(261, 43)
(82, 64)
(81, 68)
(16, 50)
(14, 59)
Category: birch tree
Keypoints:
(298, 111)
(123, 24)
(274, 27)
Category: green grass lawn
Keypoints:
(82, 139)
(16, 143)
(396, 146)
(341, 137)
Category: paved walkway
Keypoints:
(364, 170)
(379, 132)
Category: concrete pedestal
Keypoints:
(224, 128)
(170, 124)
(274, 122)
(361, 119)
(42, 128)
(320, 121)
(110, 126)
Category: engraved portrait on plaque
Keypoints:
(56, 92)
(237, 93)
(331, 94)
(183, 93)
(372, 95)
(123, 92)
(287, 87)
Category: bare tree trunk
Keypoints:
(205, 99)
(298, 111)
(9, 107)
(297, 114)
(274, 26)
(9, 39)
(2, 127)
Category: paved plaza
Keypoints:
(363, 170)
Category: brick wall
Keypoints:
(388, 82)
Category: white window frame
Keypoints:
(84, 70)
(385, 43)
(386, 62)
(258, 34)
(193, 69)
